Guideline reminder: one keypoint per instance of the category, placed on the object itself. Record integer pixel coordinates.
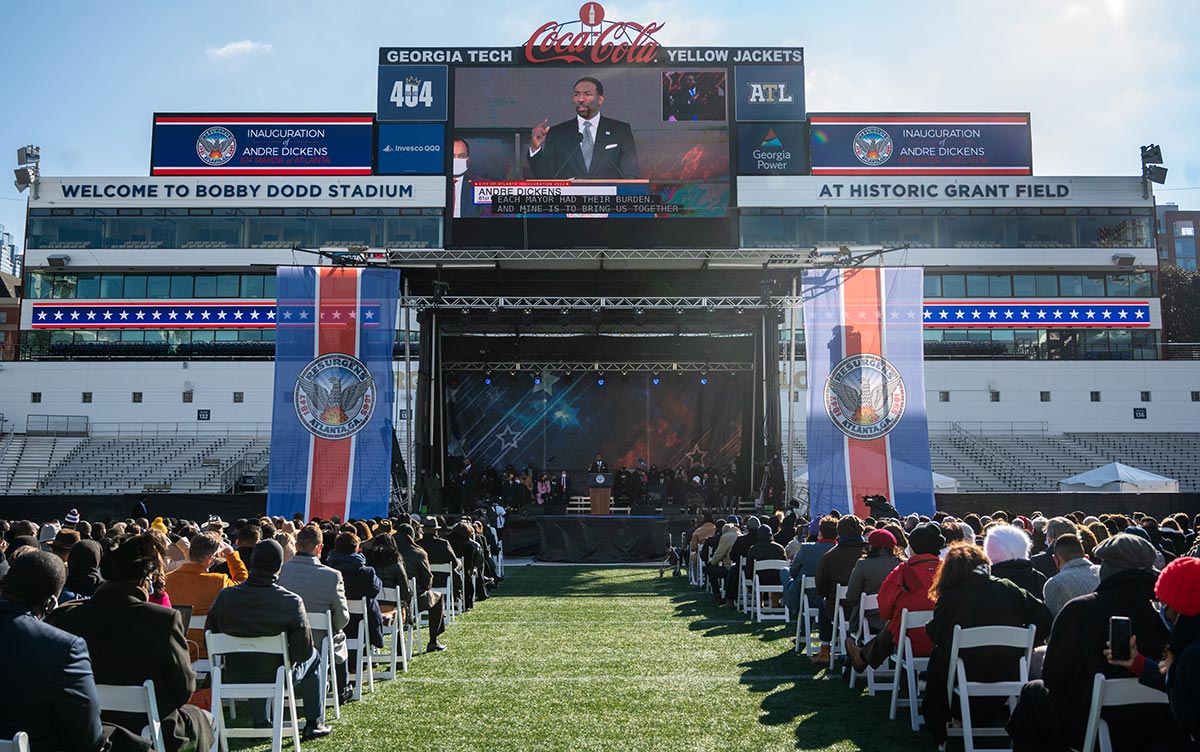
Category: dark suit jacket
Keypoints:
(598, 467)
(561, 156)
(416, 563)
(440, 552)
(131, 640)
(469, 209)
(48, 691)
(361, 582)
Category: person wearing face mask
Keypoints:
(463, 188)
(54, 700)
(1178, 672)
(131, 640)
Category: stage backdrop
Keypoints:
(868, 432)
(554, 425)
(331, 424)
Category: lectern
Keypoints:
(600, 492)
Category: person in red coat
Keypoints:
(906, 587)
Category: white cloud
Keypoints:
(235, 50)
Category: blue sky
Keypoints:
(1099, 77)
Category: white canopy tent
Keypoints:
(1117, 478)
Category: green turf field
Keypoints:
(575, 658)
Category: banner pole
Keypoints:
(791, 478)
(408, 415)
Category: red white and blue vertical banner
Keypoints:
(331, 424)
(868, 432)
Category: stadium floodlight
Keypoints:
(1151, 154)
(26, 177)
(1155, 173)
(28, 155)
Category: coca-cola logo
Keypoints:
(592, 40)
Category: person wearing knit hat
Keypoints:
(159, 525)
(868, 574)
(72, 519)
(259, 607)
(926, 539)
(1178, 673)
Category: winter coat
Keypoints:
(1022, 573)
(865, 579)
(908, 587)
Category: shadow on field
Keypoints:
(820, 703)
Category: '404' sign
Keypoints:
(412, 92)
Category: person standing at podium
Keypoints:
(599, 466)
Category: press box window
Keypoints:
(87, 398)
(1145, 396)
(35, 397)
(943, 396)
(1195, 396)
(187, 396)
(239, 396)
(1044, 396)
(994, 396)
(1095, 396)
(137, 397)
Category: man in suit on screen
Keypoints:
(586, 146)
(462, 187)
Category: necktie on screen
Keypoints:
(588, 143)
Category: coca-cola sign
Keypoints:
(592, 40)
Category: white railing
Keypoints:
(991, 427)
(167, 430)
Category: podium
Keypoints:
(600, 492)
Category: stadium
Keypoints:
(590, 338)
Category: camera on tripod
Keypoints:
(880, 506)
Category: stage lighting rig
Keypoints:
(1152, 169)
(29, 169)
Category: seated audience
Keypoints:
(193, 584)
(834, 569)
(361, 582)
(1056, 527)
(1007, 549)
(259, 607)
(883, 556)
(83, 568)
(719, 562)
(416, 563)
(1077, 575)
(1052, 712)
(967, 595)
(131, 640)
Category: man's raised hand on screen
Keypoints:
(539, 135)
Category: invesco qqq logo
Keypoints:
(334, 396)
(864, 396)
(873, 146)
(216, 146)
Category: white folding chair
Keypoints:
(761, 591)
(1108, 693)
(201, 666)
(323, 622)
(446, 590)
(909, 666)
(745, 587)
(499, 556)
(394, 652)
(807, 619)
(415, 616)
(19, 743)
(869, 603)
(360, 644)
(841, 625)
(281, 693)
(985, 637)
(138, 699)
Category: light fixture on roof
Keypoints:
(28, 171)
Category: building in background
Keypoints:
(1176, 237)
(10, 260)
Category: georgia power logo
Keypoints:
(216, 146)
(873, 146)
(864, 396)
(334, 396)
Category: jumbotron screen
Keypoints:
(598, 139)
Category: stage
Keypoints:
(608, 539)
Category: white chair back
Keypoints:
(19, 743)
(807, 618)
(909, 666)
(1108, 693)
(202, 665)
(394, 652)
(281, 693)
(323, 622)
(446, 590)
(869, 603)
(118, 698)
(361, 669)
(841, 625)
(415, 617)
(762, 591)
(1021, 638)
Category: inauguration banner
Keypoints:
(868, 431)
(921, 144)
(331, 423)
(207, 144)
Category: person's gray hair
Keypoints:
(1006, 543)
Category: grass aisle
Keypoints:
(579, 659)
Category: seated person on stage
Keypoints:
(259, 607)
(131, 640)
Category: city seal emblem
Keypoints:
(873, 146)
(334, 396)
(864, 396)
(216, 146)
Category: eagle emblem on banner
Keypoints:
(864, 396)
(335, 396)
